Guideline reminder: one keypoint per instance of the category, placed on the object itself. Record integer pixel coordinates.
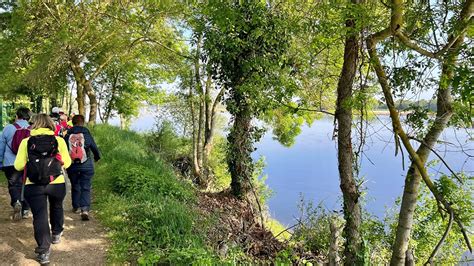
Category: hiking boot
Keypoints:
(43, 258)
(25, 214)
(85, 215)
(76, 210)
(56, 239)
(17, 211)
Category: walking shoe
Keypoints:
(43, 258)
(56, 239)
(25, 214)
(17, 211)
(85, 215)
(76, 210)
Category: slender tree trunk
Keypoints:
(352, 210)
(70, 103)
(334, 228)
(80, 78)
(413, 178)
(196, 169)
(92, 102)
(212, 117)
(200, 134)
(238, 155)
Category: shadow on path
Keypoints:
(82, 243)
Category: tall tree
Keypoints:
(246, 44)
(350, 191)
(417, 171)
(84, 38)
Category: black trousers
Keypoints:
(38, 196)
(15, 181)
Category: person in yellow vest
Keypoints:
(44, 156)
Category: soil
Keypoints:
(82, 243)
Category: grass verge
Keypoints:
(148, 211)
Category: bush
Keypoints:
(167, 143)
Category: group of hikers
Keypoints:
(35, 150)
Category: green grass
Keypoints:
(148, 211)
(277, 229)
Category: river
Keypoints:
(309, 168)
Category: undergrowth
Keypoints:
(149, 212)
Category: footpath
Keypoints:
(82, 243)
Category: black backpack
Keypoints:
(43, 165)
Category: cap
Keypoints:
(55, 110)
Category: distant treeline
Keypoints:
(409, 104)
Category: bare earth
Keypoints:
(82, 243)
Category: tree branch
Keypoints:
(415, 158)
(439, 156)
(410, 44)
(298, 108)
(169, 49)
(465, 19)
(101, 66)
(441, 241)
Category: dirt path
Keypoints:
(82, 243)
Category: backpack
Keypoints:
(43, 165)
(77, 148)
(20, 134)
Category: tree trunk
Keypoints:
(211, 127)
(196, 169)
(238, 155)
(200, 134)
(80, 77)
(92, 102)
(413, 178)
(410, 258)
(334, 228)
(124, 122)
(70, 103)
(352, 210)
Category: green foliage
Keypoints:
(313, 231)
(286, 124)
(147, 209)
(221, 177)
(429, 225)
(246, 45)
(167, 143)
(463, 82)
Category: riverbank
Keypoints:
(154, 217)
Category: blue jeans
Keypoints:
(81, 187)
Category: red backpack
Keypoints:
(20, 134)
(77, 149)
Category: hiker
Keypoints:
(10, 140)
(56, 117)
(44, 156)
(81, 143)
(69, 120)
(63, 123)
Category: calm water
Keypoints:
(309, 167)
